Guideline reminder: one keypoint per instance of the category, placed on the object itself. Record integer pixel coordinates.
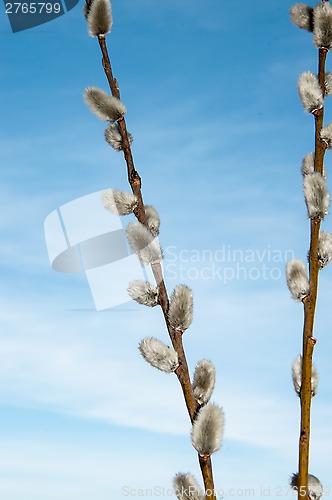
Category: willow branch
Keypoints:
(135, 183)
(182, 372)
(310, 306)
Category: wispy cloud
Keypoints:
(39, 469)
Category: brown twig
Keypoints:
(206, 468)
(182, 372)
(135, 184)
(310, 306)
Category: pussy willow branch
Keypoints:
(135, 183)
(310, 305)
(182, 372)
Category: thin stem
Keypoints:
(135, 182)
(206, 468)
(319, 115)
(133, 177)
(182, 372)
(308, 341)
(107, 67)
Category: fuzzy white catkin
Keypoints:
(204, 381)
(308, 164)
(297, 377)
(113, 136)
(186, 487)
(143, 243)
(159, 355)
(315, 488)
(326, 135)
(297, 279)
(323, 25)
(310, 91)
(207, 430)
(103, 105)
(119, 202)
(180, 313)
(302, 16)
(152, 219)
(328, 84)
(316, 195)
(99, 18)
(324, 248)
(143, 292)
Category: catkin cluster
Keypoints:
(208, 421)
(302, 281)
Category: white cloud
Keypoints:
(39, 470)
(87, 365)
(85, 369)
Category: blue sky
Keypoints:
(219, 136)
